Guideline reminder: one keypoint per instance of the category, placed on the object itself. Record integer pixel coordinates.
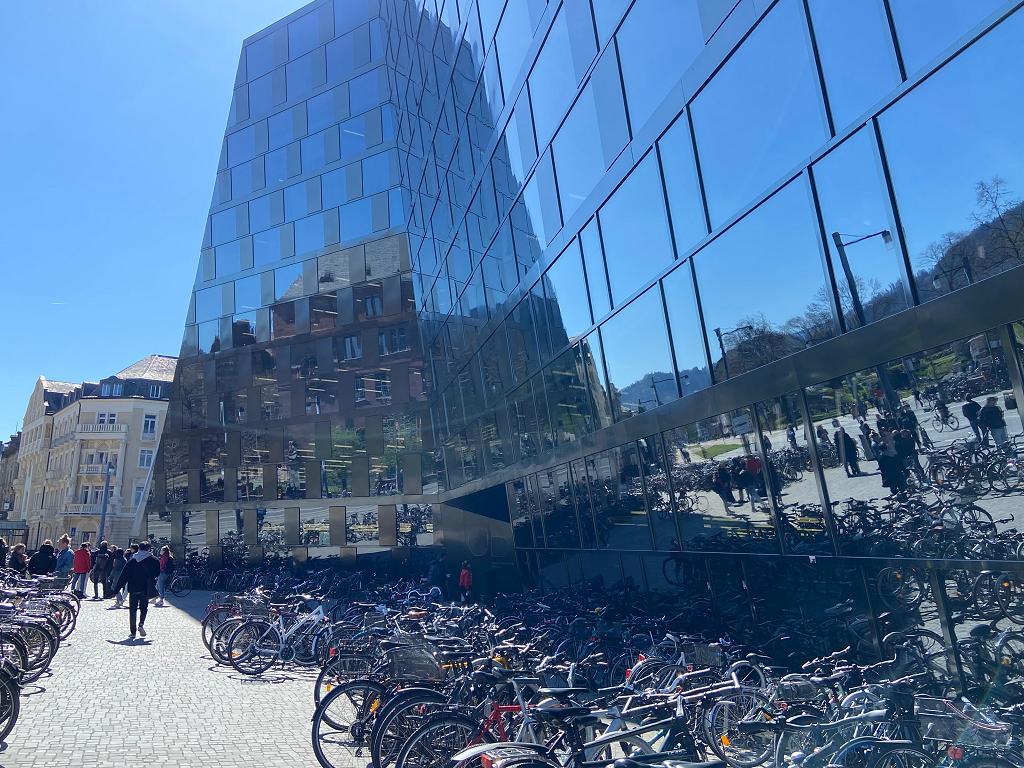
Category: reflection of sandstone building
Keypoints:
(8, 473)
(75, 435)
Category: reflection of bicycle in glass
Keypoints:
(943, 419)
(690, 503)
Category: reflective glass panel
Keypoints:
(638, 358)
(657, 490)
(209, 303)
(617, 491)
(597, 280)
(858, 222)
(568, 311)
(558, 509)
(347, 53)
(288, 282)
(634, 230)
(591, 138)
(925, 28)
(719, 486)
(248, 294)
(687, 336)
(856, 53)
(685, 204)
(961, 216)
(567, 52)
(761, 114)
(757, 306)
(657, 43)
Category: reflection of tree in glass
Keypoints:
(995, 244)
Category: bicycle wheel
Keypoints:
(10, 705)
(953, 423)
(744, 750)
(899, 589)
(938, 423)
(181, 585)
(254, 647)
(900, 757)
(341, 669)
(343, 721)
(434, 743)
(214, 619)
(399, 719)
(219, 640)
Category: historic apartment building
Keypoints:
(8, 473)
(77, 438)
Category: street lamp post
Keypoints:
(858, 307)
(106, 498)
(720, 334)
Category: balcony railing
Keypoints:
(113, 507)
(102, 428)
(95, 469)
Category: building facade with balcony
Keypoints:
(8, 473)
(86, 438)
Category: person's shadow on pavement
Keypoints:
(131, 641)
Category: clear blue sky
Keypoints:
(113, 117)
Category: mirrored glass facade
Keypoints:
(677, 314)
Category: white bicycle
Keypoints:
(284, 636)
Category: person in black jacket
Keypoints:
(970, 410)
(44, 561)
(139, 575)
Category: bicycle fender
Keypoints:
(479, 749)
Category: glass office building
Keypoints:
(660, 267)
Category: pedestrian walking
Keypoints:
(81, 564)
(139, 576)
(465, 581)
(722, 484)
(44, 560)
(166, 572)
(5, 552)
(990, 417)
(101, 562)
(117, 565)
(18, 560)
(917, 397)
(970, 410)
(791, 436)
(435, 575)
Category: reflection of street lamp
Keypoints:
(841, 247)
(720, 334)
(858, 308)
(654, 386)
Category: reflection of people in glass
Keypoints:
(970, 410)
(791, 436)
(990, 417)
(723, 484)
(846, 447)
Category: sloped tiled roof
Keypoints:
(152, 368)
(60, 387)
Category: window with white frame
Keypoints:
(145, 458)
(156, 391)
(106, 418)
(137, 496)
(149, 425)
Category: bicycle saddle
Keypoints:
(981, 631)
(562, 713)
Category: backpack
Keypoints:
(102, 562)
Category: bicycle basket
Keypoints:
(701, 654)
(52, 583)
(796, 690)
(942, 723)
(413, 663)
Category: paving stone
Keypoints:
(162, 702)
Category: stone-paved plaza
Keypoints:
(158, 702)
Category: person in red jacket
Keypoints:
(80, 566)
(465, 581)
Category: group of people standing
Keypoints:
(132, 574)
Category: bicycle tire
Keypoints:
(181, 586)
(214, 619)
(399, 719)
(742, 750)
(254, 647)
(10, 706)
(345, 712)
(219, 640)
(14, 649)
(434, 743)
(900, 757)
(342, 669)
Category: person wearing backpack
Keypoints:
(101, 562)
(139, 576)
(166, 573)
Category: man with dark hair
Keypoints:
(139, 575)
(970, 410)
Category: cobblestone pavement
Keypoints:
(158, 702)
